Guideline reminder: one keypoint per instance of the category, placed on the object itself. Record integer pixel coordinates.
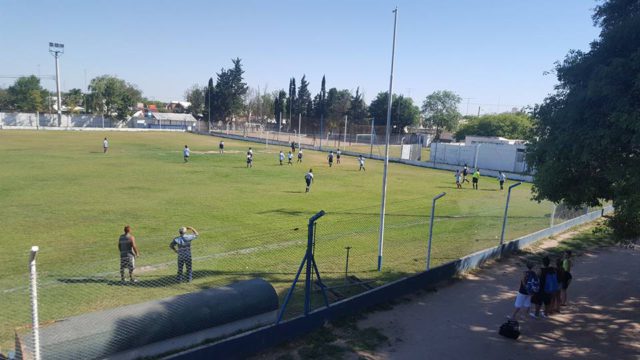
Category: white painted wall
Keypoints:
(503, 157)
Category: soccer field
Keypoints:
(60, 192)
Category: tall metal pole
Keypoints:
(58, 91)
(321, 126)
(33, 274)
(433, 211)
(386, 148)
(299, 122)
(506, 208)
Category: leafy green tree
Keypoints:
(358, 111)
(228, 95)
(509, 125)
(27, 95)
(403, 111)
(586, 143)
(4, 99)
(440, 111)
(280, 107)
(337, 105)
(73, 98)
(196, 96)
(304, 98)
(291, 100)
(109, 95)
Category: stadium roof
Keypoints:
(173, 117)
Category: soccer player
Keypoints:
(308, 178)
(361, 161)
(330, 157)
(465, 172)
(221, 147)
(281, 157)
(293, 146)
(338, 153)
(476, 178)
(183, 243)
(186, 152)
(105, 146)
(249, 160)
(250, 152)
(502, 178)
(300, 155)
(457, 175)
(128, 253)
(290, 158)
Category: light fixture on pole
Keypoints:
(57, 50)
(386, 149)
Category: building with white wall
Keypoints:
(483, 152)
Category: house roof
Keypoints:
(184, 104)
(173, 117)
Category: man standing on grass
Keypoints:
(186, 152)
(221, 147)
(308, 178)
(183, 244)
(105, 146)
(330, 158)
(465, 172)
(281, 156)
(476, 178)
(502, 178)
(361, 162)
(128, 252)
(290, 158)
(300, 155)
(338, 153)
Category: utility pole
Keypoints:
(345, 128)
(57, 50)
(386, 149)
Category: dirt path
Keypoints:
(460, 321)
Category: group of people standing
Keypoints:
(461, 178)
(547, 288)
(181, 245)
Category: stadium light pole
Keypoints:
(386, 147)
(57, 50)
(506, 208)
(33, 274)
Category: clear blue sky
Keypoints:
(493, 51)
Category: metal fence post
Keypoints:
(33, 278)
(506, 208)
(433, 210)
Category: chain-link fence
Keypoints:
(345, 248)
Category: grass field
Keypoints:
(59, 191)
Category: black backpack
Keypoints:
(510, 329)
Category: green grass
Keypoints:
(60, 192)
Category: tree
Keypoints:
(112, 96)
(304, 98)
(337, 106)
(208, 103)
(440, 110)
(279, 107)
(358, 111)
(228, 95)
(195, 95)
(586, 144)
(4, 99)
(291, 100)
(403, 111)
(26, 94)
(509, 125)
(73, 98)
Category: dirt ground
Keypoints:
(461, 321)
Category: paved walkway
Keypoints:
(460, 321)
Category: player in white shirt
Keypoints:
(308, 178)
(300, 155)
(502, 178)
(338, 153)
(105, 146)
(290, 157)
(281, 157)
(361, 161)
(186, 152)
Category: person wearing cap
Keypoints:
(183, 245)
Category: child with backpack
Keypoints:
(529, 285)
(548, 286)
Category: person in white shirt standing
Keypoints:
(105, 146)
(502, 178)
(308, 178)
(186, 152)
(183, 244)
(281, 156)
(361, 161)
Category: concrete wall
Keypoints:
(51, 120)
(252, 342)
(502, 157)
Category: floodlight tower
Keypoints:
(57, 50)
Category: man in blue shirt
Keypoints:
(183, 244)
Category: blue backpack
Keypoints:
(532, 283)
(551, 283)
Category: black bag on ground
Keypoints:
(510, 329)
